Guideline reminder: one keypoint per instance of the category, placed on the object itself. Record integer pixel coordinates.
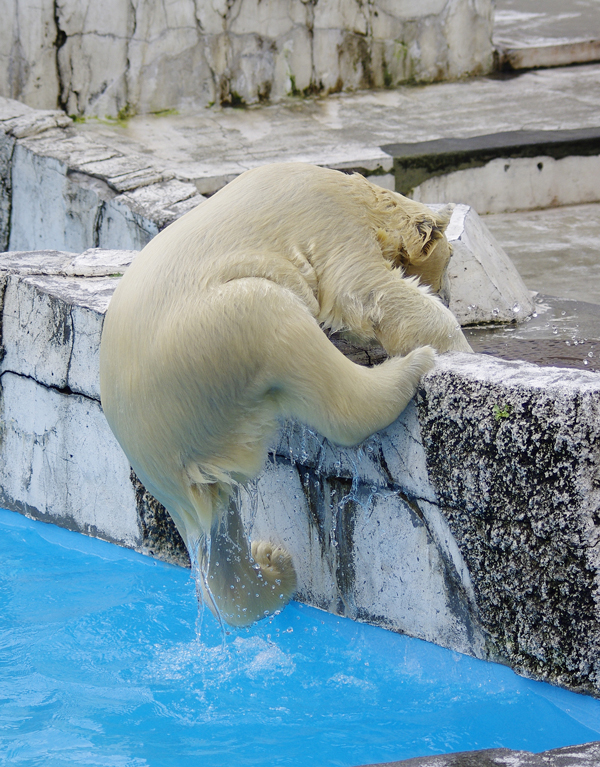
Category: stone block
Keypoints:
(269, 19)
(403, 456)
(364, 553)
(293, 63)
(584, 755)
(150, 56)
(64, 190)
(155, 84)
(349, 16)
(400, 578)
(52, 316)
(411, 10)
(48, 210)
(518, 183)
(513, 452)
(325, 58)
(7, 146)
(483, 284)
(27, 54)
(93, 73)
(61, 462)
(463, 20)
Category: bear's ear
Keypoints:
(430, 228)
(443, 216)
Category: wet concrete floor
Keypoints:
(534, 23)
(557, 253)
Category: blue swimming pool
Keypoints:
(101, 665)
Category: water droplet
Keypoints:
(590, 354)
(516, 308)
(586, 362)
(495, 311)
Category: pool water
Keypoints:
(101, 665)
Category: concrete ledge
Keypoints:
(415, 163)
(586, 755)
(556, 55)
(472, 521)
(66, 190)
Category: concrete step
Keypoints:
(415, 163)
(530, 34)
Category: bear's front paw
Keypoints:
(420, 361)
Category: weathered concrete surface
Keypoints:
(585, 755)
(555, 251)
(60, 189)
(528, 33)
(472, 521)
(514, 456)
(484, 285)
(140, 58)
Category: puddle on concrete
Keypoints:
(563, 333)
(556, 251)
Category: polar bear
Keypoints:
(216, 332)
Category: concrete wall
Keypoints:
(122, 58)
(472, 521)
(62, 189)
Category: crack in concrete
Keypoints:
(65, 390)
(59, 42)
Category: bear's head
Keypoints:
(419, 247)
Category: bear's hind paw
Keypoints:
(276, 565)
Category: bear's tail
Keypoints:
(239, 584)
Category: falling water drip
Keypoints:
(199, 551)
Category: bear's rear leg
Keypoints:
(246, 586)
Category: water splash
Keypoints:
(199, 551)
